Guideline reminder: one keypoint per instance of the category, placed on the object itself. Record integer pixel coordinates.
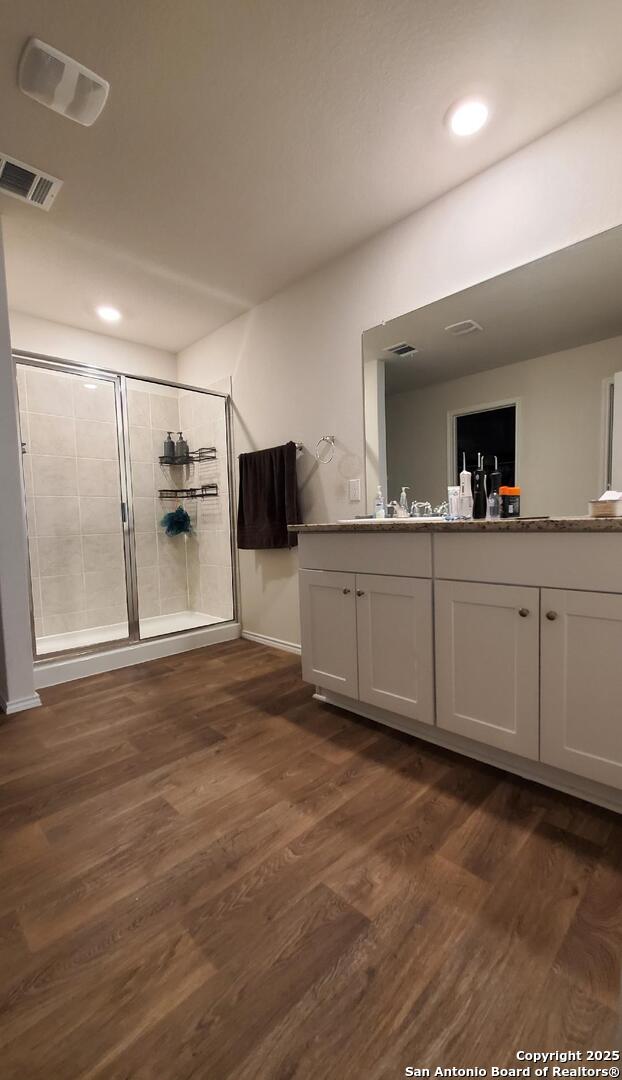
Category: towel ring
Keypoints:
(330, 440)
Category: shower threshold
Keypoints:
(154, 626)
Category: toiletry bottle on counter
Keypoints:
(466, 493)
(479, 490)
(494, 498)
(510, 501)
(404, 502)
(493, 506)
(379, 504)
(453, 502)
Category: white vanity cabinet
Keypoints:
(370, 636)
(581, 704)
(504, 647)
(487, 663)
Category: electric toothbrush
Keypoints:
(466, 493)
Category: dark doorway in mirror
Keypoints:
(490, 432)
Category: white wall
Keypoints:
(296, 359)
(560, 462)
(16, 676)
(83, 347)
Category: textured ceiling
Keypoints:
(245, 143)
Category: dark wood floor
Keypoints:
(207, 874)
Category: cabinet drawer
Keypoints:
(591, 561)
(365, 553)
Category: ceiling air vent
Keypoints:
(467, 326)
(401, 349)
(27, 184)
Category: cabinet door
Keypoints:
(395, 632)
(328, 625)
(487, 663)
(581, 687)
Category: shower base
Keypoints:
(155, 626)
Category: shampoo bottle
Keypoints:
(466, 493)
(181, 448)
(169, 446)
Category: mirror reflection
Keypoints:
(512, 381)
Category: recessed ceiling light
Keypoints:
(467, 117)
(108, 314)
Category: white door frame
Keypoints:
(616, 433)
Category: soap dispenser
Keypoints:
(466, 494)
(169, 446)
(479, 490)
(379, 505)
(181, 448)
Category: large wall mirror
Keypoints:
(524, 369)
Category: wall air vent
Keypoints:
(467, 326)
(27, 184)
(401, 349)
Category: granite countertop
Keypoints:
(559, 524)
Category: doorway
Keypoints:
(489, 431)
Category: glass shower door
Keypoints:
(179, 465)
(70, 429)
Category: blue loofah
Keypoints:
(176, 522)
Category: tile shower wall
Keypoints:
(71, 474)
(184, 572)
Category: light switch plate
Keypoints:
(354, 490)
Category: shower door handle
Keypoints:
(124, 513)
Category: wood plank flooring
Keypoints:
(207, 874)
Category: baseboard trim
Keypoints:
(580, 787)
(272, 642)
(53, 672)
(16, 705)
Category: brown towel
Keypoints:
(268, 498)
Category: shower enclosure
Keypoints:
(99, 481)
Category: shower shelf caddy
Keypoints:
(205, 453)
(205, 491)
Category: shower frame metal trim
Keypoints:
(120, 380)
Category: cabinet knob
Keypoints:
(359, 592)
(346, 592)
(551, 616)
(523, 612)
